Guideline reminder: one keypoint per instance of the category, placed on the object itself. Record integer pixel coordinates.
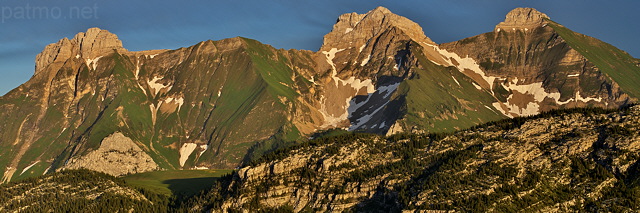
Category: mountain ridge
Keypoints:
(217, 104)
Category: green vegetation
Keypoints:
(615, 63)
(272, 67)
(457, 171)
(181, 183)
(435, 102)
(78, 191)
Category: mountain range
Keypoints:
(93, 104)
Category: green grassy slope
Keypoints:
(176, 182)
(436, 103)
(617, 64)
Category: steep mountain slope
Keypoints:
(171, 104)
(93, 104)
(532, 65)
(572, 160)
(395, 73)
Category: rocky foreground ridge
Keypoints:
(575, 160)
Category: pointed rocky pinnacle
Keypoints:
(354, 29)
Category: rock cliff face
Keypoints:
(564, 161)
(89, 46)
(219, 104)
(523, 18)
(530, 66)
(118, 155)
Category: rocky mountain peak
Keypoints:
(96, 42)
(88, 45)
(354, 29)
(522, 18)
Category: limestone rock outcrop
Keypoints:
(532, 158)
(88, 45)
(118, 155)
(523, 18)
(354, 29)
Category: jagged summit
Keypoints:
(88, 45)
(353, 29)
(96, 42)
(522, 18)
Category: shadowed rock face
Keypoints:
(219, 103)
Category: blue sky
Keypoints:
(294, 24)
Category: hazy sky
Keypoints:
(27, 26)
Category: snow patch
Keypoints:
(154, 112)
(94, 61)
(388, 90)
(330, 55)
(330, 120)
(456, 80)
(574, 75)
(485, 106)
(46, 170)
(397, 66)
(179, 101)
(348, 30)
(364, 119)
(354, 83)
(138, 69)
(151, 56)
(466, 63)
(29, 167)
(185, 151)
(362, 48)
(353, 107)
(204, 148)
(534, 89)
(157, 86)
(539, 94)
(578, 97)
(532, 108)
(365, 61)
(587, 99)
(78, 56)
(476, 85)
(498, 106)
